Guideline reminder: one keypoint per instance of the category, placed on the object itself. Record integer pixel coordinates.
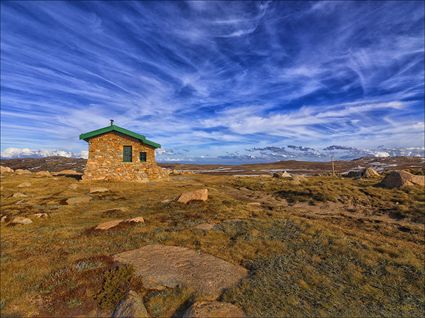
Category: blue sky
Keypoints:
(212, 79)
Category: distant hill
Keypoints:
(53, 164)
(57, 163)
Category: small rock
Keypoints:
(78, 200)
(19, 195)
(22, 171)
(253, 204)
(67, 173)
(3, 218)
(166, 201)
(204, 226)
(98, 190)
(370, 173)
(108, 225)
(4, 169)
(43, 174)
(282, 175)
(41, 215)
(286, 175)
(20, 220)
(73, 186)
(138, 219)
(197, 195)
(357, 174)
(131, 307)
(24, 185)
(213, 309)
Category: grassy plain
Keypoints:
(323, 247)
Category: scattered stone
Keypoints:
(254, 204)
(78, 200)
(24, 185)
(398, 179)
(370, 173)
(20, 220)
(4, 169)
(73, 186)
(286, 175)
(162, 266)
(67, 173)
(98, 190)
(22, 171)
(43, 174)
(19, 195)
(197, 195)
(131, 307)
(282, 175)
(138, 219)
(204, 226)
(108, 225)
(41, 215)
(166, 201)
(213, 309)
(3, 219)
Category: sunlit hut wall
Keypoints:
(119, 154)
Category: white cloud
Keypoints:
(38, 153)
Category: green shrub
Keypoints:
(115, 286)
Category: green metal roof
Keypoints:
(123, 131)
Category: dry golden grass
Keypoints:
(341, 247)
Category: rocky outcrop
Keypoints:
(197, 195)
(4, 169)
(20, 220)
(131, 307)
(161, 266)
(399, 179)
(213, 309)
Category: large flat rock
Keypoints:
(162, 266)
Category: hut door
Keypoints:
(127, 154)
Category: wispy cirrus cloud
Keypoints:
(213, 77)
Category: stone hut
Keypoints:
(119, 154)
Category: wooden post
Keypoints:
(333, 166)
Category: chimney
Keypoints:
(112, 122)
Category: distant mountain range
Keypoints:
(251, 155)
(337, 152)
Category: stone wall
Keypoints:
(105, 160)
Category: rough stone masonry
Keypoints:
(105, 160)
